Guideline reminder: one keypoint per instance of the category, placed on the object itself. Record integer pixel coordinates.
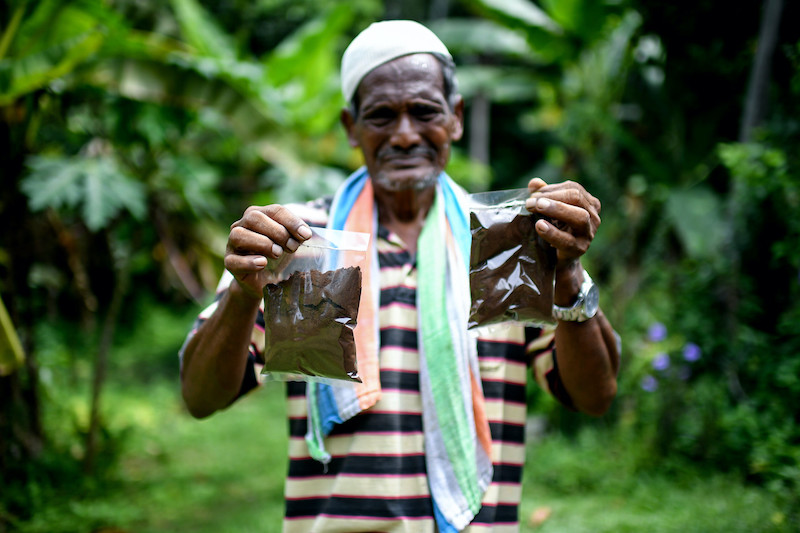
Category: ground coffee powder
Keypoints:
(511, 270)
(309, 320)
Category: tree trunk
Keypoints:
(438, 9)
(754, 112)
(755, 106)
(479, 124)
(101, 359)
(21, 432)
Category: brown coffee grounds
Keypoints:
(309, 320)
(511, 270)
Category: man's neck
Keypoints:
(404, 212)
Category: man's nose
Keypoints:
(405, 134)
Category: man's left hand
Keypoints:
(573, 216)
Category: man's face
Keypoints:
(405, 125)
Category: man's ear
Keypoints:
(349, 124)
(457, 128)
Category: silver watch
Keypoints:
(585, 307)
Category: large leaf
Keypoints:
(201, 32)
(95, 186)
(305, 68)
(500, 84)
(696, 217)
(51, 23)
(544, 35)
(188, 82)
(51, 42)
(26, 74)
(581, 17)
(522, 11)
(474, 36)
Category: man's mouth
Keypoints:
(406, 159)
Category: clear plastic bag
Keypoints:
(511, 269)
(311, 308)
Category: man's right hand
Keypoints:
(263, 232)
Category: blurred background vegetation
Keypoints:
(134, 132)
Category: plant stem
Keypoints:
(11, 30)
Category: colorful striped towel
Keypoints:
(457, 438)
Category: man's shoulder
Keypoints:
(314, 212)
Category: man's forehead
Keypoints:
(416, 66)
(414, 75)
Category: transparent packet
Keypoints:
(311, 309)
(512, 269)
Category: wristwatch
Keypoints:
(585, 307)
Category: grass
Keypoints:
(220, 474)
(225, 474)
(176, 473)
(594, 485)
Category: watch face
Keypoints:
(592, 301)
(587, 305)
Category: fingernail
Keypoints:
(292, 245)
(304, 232)
(260, 261)
(276, 250)
(543, 203)
(542, 226)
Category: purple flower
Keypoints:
(691, 352)
(649, 383)
(684, 372)
(657, 332)
(661, 361)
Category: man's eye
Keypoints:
(380, 115)
(424, 112)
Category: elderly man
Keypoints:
(422, 444)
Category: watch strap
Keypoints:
(579, 311)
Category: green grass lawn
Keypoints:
(591, 485)
(225, 474)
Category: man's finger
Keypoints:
(535, 184)
(295, 225)
(569, 246)
(583, 222)
(244, 241)
(245, 263)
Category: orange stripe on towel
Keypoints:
(479, 412)
(369, 390)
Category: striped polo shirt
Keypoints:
(376, 480)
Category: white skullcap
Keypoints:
(381, 42)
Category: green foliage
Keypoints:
(201, 32)
(521, 12)
(695, 215)
(471, 37)
(95, 185)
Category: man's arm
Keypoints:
(588, 359)
(215, 358)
